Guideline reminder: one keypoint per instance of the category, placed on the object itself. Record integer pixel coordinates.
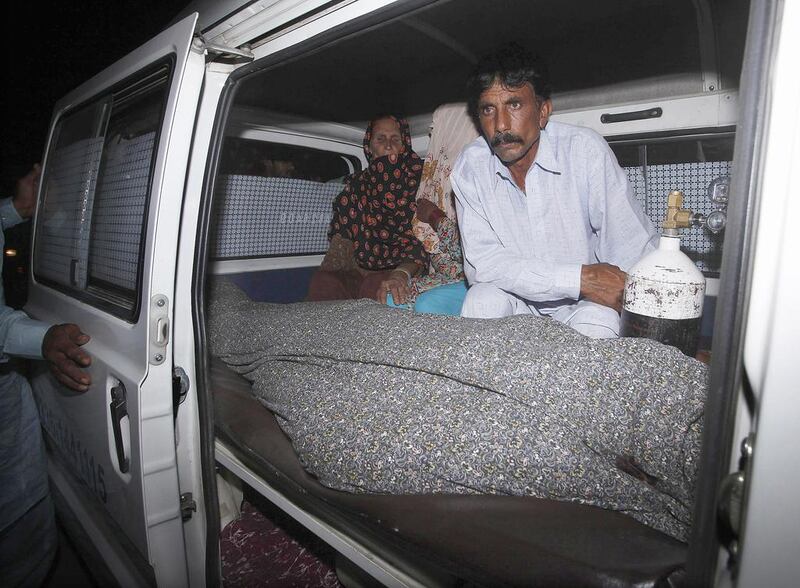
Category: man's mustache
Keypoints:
(506, 137)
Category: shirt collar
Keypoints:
(545, 159)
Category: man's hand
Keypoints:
(603, 283)
(428, 212)
(27, 186)
(62, 350)
(396, 285)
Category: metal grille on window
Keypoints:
(259, 216)
(63, 238)
(119, 213)
(703, 247)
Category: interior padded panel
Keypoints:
(119, 211)
(707, 322)
(62, 230)
(260, 217)
(701, 245)
(490, 540)
(283, 286)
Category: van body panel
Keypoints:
(342, 13)
(121, 433)
(234, 23)
(259, 19)
(211, 12)
(226, 22)
(202, 530)
(770, 539)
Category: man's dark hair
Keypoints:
(512, 65)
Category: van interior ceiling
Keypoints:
(599, 54)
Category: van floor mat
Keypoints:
(266, 547)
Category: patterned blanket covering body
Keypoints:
(381, 400)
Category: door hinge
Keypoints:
(188, 506)
(239, 54)
(730, 501)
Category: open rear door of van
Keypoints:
(104, 249)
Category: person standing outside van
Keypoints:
(27, 526)
(548, 220)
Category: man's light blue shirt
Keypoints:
(577, 209)
(23, 474)
(19, 335)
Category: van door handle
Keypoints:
(73, 272)
(119, 411)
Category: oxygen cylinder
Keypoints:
(663, 297)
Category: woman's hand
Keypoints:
(428, 212)
(396, 284)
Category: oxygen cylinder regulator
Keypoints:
(664, 291)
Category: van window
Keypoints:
(96, 186)
(657, 166)
(270, 159)
(274, 199)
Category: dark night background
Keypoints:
(53, 48)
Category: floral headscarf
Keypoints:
(375, 209)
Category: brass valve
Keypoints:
(677, 217)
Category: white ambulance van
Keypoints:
(146, 197)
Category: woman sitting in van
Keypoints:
(373, 252)
(442, 289)
(371, 230)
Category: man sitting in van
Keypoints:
(548, 220)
